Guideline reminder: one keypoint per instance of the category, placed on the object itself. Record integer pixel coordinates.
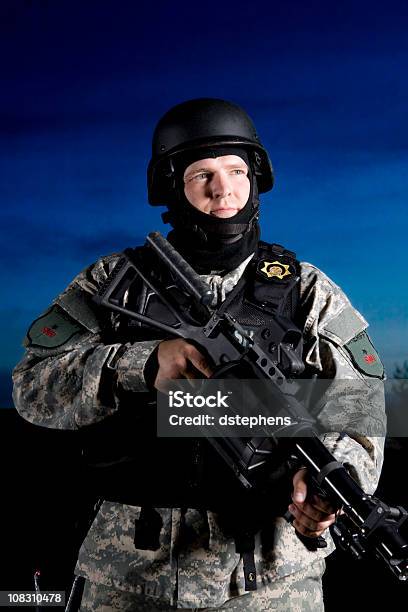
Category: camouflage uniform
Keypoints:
(64, 387)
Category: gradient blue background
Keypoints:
(83, 84)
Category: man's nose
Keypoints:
(220, 185)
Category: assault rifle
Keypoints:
(367, 524)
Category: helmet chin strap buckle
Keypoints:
(257, 164)
(170, 172)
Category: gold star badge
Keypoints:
(275, 268)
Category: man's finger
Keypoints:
(309, 533)
(313, 522)
(199, 362)
(322, 504)
(299, 486)
(312, 513)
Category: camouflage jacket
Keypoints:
(62, 384)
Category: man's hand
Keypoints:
(313, 515)
(179, 359)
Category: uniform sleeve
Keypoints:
(69, 377)
(350, 405)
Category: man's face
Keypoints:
(218, 186)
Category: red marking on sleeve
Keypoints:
(47, 331)
(370, 359)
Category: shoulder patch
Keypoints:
(53, 329)
(364, 355)
(77, 304)
(345, 326)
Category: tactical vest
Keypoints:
(188, 472)
(267, 291)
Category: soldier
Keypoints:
(84, 367)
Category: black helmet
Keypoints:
(202, 123)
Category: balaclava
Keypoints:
(211, 243)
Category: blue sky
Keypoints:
(83, 83)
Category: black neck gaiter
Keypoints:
(209, 252)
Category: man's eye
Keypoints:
(238, 171)
(201, 176)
